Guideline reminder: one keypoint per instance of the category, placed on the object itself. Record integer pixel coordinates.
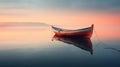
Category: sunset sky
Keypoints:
(59, 12)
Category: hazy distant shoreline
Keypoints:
(14, 24)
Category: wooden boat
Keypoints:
(82, 43)
(82, 33)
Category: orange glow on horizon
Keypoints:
(65, 18)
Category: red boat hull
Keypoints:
(86, 34)
(83, 34)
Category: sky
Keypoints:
(59, 12)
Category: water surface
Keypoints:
(34, 47)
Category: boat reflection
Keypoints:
(82, 43)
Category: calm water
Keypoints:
(38, 47)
